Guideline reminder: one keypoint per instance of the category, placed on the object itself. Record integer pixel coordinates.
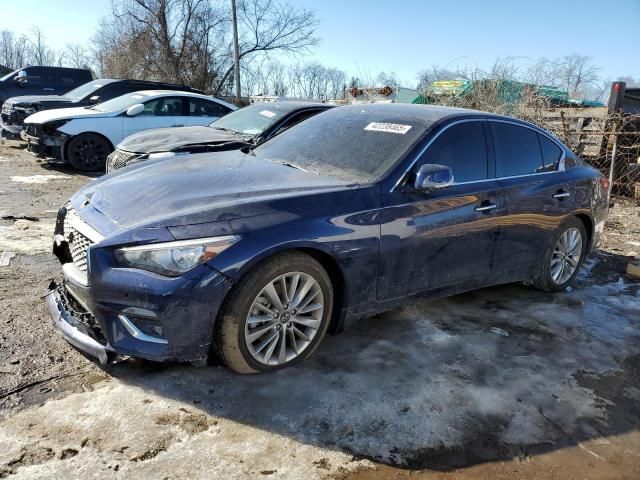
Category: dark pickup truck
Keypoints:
(16, 109)
(37, 80)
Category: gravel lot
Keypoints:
(501, 383)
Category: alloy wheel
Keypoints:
(88, 152)
(566, 256)
(284, 318)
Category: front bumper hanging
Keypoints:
(72, 326)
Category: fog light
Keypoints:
(148, 326)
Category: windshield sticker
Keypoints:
(267, 113)
(388, 127)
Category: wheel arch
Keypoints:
(589, 226)
(326, 260)
(68, 141)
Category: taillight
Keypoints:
(605, 183)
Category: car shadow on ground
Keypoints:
(495, 374)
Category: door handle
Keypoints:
(48, 89)
(561, 195)
(486, 207)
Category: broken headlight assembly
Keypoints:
(24, 109)
(52, 127)
(172, 259)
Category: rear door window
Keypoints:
(517, 150)
(551, 153)
(461, 147)
(199, 107)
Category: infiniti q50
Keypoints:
(253, 256)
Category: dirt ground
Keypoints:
(506, 382)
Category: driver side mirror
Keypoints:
(134, 110)
(432, 177)
(21, 81)
(93, 100)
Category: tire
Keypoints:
(545, 279)
(235, 329)
(88, 152)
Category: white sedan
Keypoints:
(84, 136)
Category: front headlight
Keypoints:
(172, 259)
(26, 110)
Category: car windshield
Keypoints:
(251, 120)
(9, 75)
(357, 143)
(83, 91)
(120, 103)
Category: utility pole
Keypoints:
(236, 50)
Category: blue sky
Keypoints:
(365, 37)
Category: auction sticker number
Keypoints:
(267, 113)
(388, 127)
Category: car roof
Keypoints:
(171, 93)
(167, 93)
(150, 83)
(429, 114)
(293, 104)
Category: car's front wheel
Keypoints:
(564, 257)
(277, 315)
(88, 152)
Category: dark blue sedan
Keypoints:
(253, 256)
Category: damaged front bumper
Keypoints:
(75, 327)
(108, 311)
(42, 144)
(10, 132)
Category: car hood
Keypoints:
(201, 188)
(170, 139)
(65, 114)
(36, 99)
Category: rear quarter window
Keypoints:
(551, 153)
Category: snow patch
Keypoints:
(25, 237)
(38, 179)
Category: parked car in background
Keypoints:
(252, 256)
(85, 136)
(16, 109)
(37, 81)
(246, 127)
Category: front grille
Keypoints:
(78, 243)
(83, 320)
(118, 159)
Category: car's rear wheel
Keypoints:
(277, 316)
(88, 152)
(564, 257)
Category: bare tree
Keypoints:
(77, 56)
(575, 73)
(13, 50)
(267, 26)
(39, 52)
(189, 41)
(389, 79)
